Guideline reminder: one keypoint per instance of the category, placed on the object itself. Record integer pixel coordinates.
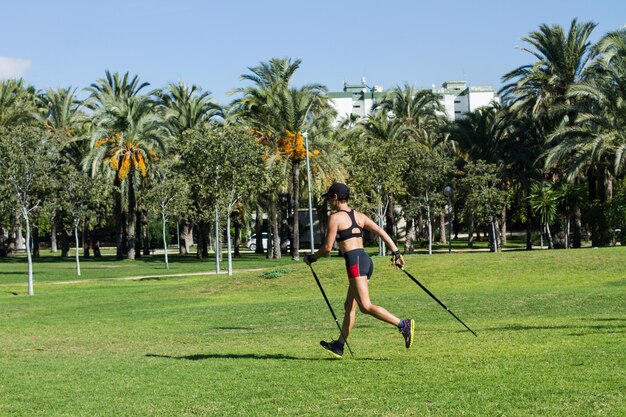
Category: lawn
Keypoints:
(551, 339)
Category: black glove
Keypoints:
(310, 258)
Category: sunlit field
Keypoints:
(551, 339)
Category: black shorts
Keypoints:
(358, 264)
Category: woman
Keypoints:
(347, 226)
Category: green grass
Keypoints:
(551, 340)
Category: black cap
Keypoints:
(341, 190)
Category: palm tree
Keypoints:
(187, 107)
(418, 110)
(17, 103)
(127, 133)
(596, 144)
(279, 114)
(60, 111)
(544, 201)
(539, 92)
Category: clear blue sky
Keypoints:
(211, 43)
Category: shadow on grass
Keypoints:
(599, 328)
(205, 356)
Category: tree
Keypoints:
(538, 93)
(187, 107)
(17, 103)
(167, 196)
(484, 196)
(279, 114)
(544, 201)
(419, 112)
(235, 156)
(27, 156)
(127, 134)
(596, 144)
(425, 175)
(75, 194)
(61, 113)
(374, 178)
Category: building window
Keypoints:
(457, 112)
(457, 101)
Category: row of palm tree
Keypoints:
(560, 121)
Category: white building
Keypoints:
(456, 97)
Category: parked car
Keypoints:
(251, 244)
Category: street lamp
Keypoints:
(308, 181)
(447, 191)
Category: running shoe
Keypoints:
(334, 348)
(407, 330)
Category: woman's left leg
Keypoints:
(362, 296)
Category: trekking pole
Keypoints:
(331, 309)
(436, 299)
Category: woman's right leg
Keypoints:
(349, 316)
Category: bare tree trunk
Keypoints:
(218, 248)
(77, 257)
(503, 225)
(164, 222)
(31, 289)
(53, 234)
(549, 233)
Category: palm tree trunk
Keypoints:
(410, 236)
(237, 254)
(144, 230)
(138, 233)
(529, 227)
(119, 220)
(578, 225)
(470, 229)
(131, 218)
(186, 237)
(295, 237)
(86, 239)
(442, 227)
(36, 251)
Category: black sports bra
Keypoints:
(348, 233)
